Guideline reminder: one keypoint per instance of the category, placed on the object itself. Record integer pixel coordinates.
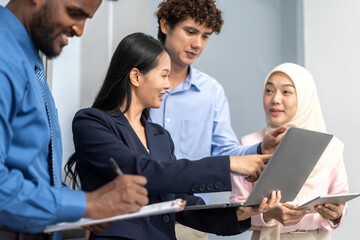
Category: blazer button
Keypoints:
(202, 187)
(218, 185)
(210, 187)
(166, 218)
(194, 188)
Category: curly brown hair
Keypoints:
(202, 11)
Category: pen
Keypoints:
(115, 167)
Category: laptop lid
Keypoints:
(291, 164)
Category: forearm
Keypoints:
(28, 207)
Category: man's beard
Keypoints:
(40, 29)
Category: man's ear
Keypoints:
(37, 3)
(164, 26)
(134, 77)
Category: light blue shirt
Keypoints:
(196, 113)
(28, 202)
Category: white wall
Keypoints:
(79, 71)
(332, 54)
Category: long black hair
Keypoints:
(136, 50)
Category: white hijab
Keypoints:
(308, 116)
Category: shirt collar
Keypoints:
(18, 30)
(191, 79)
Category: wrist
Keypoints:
(267, 221)
(89, 205)
(266, 217)
(335, 222)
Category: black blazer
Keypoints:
(98, 136)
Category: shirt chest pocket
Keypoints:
(195, 139)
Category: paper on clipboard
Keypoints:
(152, 209)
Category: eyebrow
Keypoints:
(80, 12)
(284, 85)
(165, 70)
(196, 30)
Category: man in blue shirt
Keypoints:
(195, 111)
(32, 194)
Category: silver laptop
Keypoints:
(287, 170)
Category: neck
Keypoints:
(133, 114)
(178, 74)
(22, 10)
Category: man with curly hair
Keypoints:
(195, 111)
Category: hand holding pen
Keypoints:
(116, 167)
(125, 194)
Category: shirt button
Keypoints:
(218, 185)
(210, 187)
(168, 120)
(202, 187)
(166, 218)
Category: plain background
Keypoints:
(322, 35)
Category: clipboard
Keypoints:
(148, 210)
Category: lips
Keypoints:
(191, 54)
(64, 39)
(276, 110)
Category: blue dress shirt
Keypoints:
(28, 202)
(196, 113)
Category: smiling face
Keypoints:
(280, 99)
(186, 41)
(153, 85)
(56, 20)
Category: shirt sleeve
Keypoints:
(224, 140)
(28, 205)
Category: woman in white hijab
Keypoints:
(290, 98)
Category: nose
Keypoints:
(78, 28)
(276, 98)
(197, 42)
(167, 83)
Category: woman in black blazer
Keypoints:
(117, 127)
